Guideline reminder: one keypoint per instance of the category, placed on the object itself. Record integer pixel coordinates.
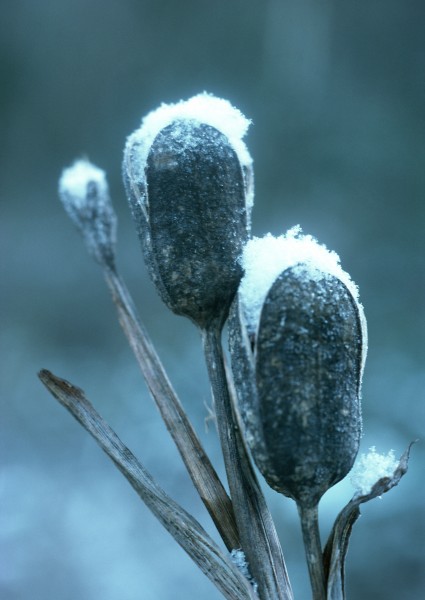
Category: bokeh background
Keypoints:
(336, 92)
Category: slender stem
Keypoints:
(198, 465)
(182, 526)
(313, 549)
(258, 535)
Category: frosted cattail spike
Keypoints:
(299, 332)
(188, 177)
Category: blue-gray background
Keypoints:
(336, 94)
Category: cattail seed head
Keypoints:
(298, 374)
(188, 179)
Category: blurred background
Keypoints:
(336, 93)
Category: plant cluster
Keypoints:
(290, 401)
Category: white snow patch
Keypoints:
(371, 467)
(203, 108)
(75, 179)
(239, 559)
(265, 258)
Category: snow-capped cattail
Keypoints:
(299, 332)
(188, 177)
(84, 193)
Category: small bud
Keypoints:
(188, 179)
(84, 193)
(298, 360)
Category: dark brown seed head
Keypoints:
(308, 373)
(189, 202)
(299, 391)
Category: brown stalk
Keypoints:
(258, 535)
(313, 549)
(182, 526)
(198, 465)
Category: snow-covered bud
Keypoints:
(188, 177)
(84, 193)
(298, 345)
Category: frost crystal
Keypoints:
(203, 108)
(370, 468)
(239, 560)
(75, 179)
(264, 259)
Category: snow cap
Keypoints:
(370, 468)
(75, 179)
(203, 108)
(264, 259)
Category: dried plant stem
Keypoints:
(335, 551)
(256, 528)
(182, 526)
(197, 463)
(313, 550)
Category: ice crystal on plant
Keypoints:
(239, 560)
(370, 468)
